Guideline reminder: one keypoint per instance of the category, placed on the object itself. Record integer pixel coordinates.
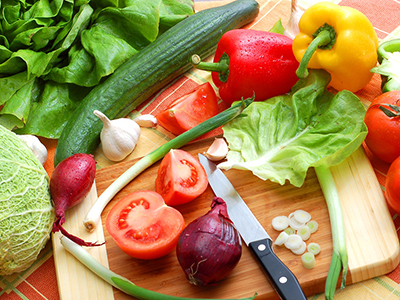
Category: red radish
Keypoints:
(70, 183)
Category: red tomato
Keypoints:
(383, 138)
(190, 110)
(392, 186)
(180, 178)
(143, 226)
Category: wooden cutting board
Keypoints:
(373, 245)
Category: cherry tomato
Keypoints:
(143, 226)
(190, 110)
(392, 186)
(180, 178)
(383, 138)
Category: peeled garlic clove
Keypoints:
(146, 121)
(118, 137)
(36, 146)
(218, 150)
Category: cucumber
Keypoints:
(148, 71)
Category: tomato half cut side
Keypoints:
(143, 226)
(180, 178)
(190, 110)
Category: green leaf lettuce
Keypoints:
(280, 138)
(53, 53)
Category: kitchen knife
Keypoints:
(253, 234)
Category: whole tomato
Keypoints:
(383, 138)
(392, 186)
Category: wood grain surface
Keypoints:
(372, 241)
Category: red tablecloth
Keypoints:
(39, 281)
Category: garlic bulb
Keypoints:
(118, 137)
(292, 28)
(218, 150)
(36, 145)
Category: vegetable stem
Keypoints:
(116, 280)
(221, 67)
(339, 256)
(94, 214)
(324, 38)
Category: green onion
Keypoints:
(116, 280)
(308, 260)
(314, 248)
(313, 225)
(94, 214)
(339, 256)
(305, 232)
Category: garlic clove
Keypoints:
(218, 150)
(36, 146)
(292, 28)
(147, 120)
(118, 137)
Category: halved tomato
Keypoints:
(180, 178)
(190, 110)
(143, 226)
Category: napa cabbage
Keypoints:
(26, 210)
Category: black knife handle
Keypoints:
(281, 278)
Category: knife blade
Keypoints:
(253, 234)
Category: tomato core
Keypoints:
(149, 234)
(122, 223)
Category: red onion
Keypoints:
(70, 183)
(210, 247)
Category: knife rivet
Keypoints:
(261, 247)
(283, 279)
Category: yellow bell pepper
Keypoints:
(339, 39)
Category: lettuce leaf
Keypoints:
(68, 47)
(280, 138)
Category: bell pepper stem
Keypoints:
(388, 47)
(221, 67)
(323, 38)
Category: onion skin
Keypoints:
(209, 248)
(70, 183)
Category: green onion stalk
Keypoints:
(116, 280)
(339, 256)
(94, 214)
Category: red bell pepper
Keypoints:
(250, 62)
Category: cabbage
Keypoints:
(26, 211)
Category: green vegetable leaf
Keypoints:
(280, 138)
(52, 108)
(16, 111)
(278, 27)
(10, 85)
(67, 47)
(389, 66)
(174, 11)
